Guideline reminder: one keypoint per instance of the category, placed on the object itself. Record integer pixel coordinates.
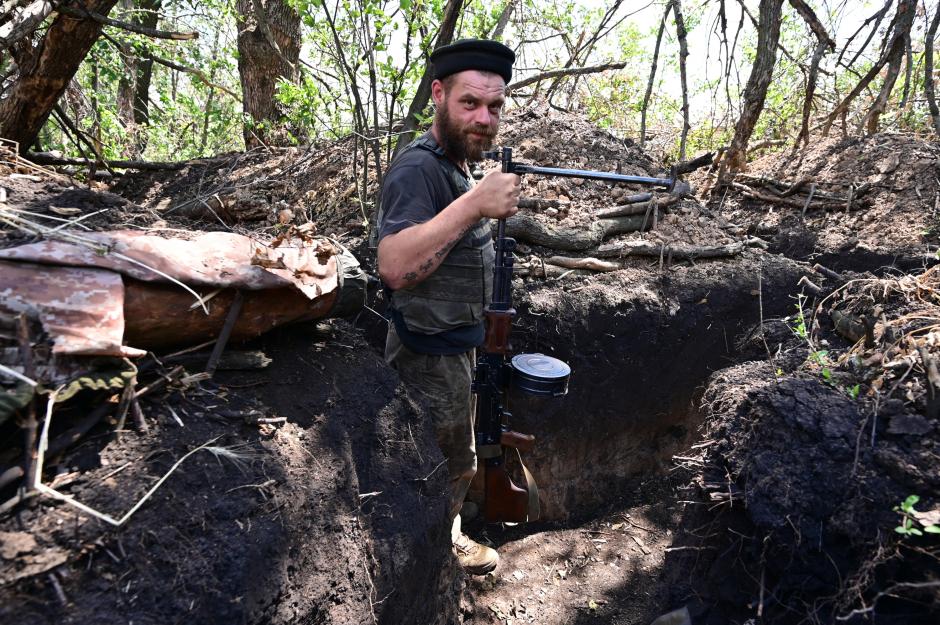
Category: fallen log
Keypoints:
(683, 252)
(637, 208)
(698, 162)
(592, 264)
(529, 229)
(545, 271)
(47, 159)
(638, 197)
(538, 203)
(828, 205)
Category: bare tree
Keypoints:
(823, 43)
(423, 93)
(900, 42)
(44, 69)
(503, 20)
(649, 84)
(683, 55)
(268, 50)
(928, 71)
(148, 14)
(768, 35)
(134, 86)
(901, 29)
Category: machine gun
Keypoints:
(534, 374)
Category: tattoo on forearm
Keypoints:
(441, 253)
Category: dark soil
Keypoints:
(701, 458)
(893, 223)
(334, 516)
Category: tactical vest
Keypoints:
(457, 292)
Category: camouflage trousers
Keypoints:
(443, 382)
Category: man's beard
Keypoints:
(457, 142)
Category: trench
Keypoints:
(640, 347)
(341, 508)
(616, 518)
(641, 344)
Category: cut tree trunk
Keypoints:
(768, 34)
(44, 78)
(527, 228)
(268, 50)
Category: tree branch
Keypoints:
(25, 22)
(683, 55)
(570, 71)
(649, 84)
(172, 65)
(133, 28)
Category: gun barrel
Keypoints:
(519, 168)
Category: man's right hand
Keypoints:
(497, 195)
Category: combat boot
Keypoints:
(476, 559)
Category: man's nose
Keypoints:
(482, 116)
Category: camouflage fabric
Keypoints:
(443, 382)
(212, 259)
(79, 295)
(82, 310)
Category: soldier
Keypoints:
(435, 256)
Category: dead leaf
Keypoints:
(928, 517)
(65, 212)
(13, 544)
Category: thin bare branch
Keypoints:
(128, 26)
(558, 73)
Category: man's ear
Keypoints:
(437, 92)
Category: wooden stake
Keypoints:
(226, 332)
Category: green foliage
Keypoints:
(911, 518)
(798, 322)
(187, 117)
(362, 61)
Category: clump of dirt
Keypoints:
(822, 441)
(878, 195)
(557, 139)
(309, 500)
(262, 189)
(52, 200)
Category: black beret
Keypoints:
(479, 54)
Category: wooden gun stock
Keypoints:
(505, 502)
(522, 442)
(498, 327)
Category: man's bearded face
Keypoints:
(463, 141)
